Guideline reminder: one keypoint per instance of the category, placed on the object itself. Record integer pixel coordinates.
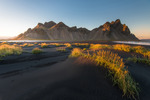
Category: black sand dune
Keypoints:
(51, 75)
(66, 80)
(141, 73)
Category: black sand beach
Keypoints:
(51, 75)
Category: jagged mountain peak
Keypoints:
(106, 26)
(118, 21)
(50, 30)
(49, 24)
(46, 25)
(61, 24)
(39, 25)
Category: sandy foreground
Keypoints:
(62, 81)
(53, 76)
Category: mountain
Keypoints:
(50, 30)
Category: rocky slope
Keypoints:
(51, 30)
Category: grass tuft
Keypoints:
(100, 46)
(6, 49)
(68, 45)
(81, 44)
(139, 60)
(36, 51)
(61, 49)
(122, 47)
(44, 45)
(27, 45)
(76, 52)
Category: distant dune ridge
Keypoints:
(50, 30)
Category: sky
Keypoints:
(16, 16)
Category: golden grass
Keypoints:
(15, 44)
(36, 51)
(44, 45)
(56, 44)
(68, 45)
(120, 75)
(27, 45)
(76, 52)
(35, 43)
(3, 43)
(84, 49)
(122, 47)
(30, 45)
(137, 49)
(100, 46)
(81, 44)
(61, 49)
(116, 69)
(6, 49)
(23, 45)
(141, 50)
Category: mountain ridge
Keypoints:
(114, 30)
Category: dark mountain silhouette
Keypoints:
(50, 30)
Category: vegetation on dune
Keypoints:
(136, 49)
(116, 69)
(35, 43)
(27, 45)
(3, 43)
(15, 44)
(76, 52)
(122, 47)
(6, 49)
(100, 46)
(139, 60)
(141, 50)
(61, 49)
(56, 44)
(36, 51)
(44, 45)
(30, 45)
(68, 45)
(81, 44)
(84, 49)
(23, 45)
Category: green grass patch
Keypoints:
(139, 60)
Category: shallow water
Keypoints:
(134, 42)
(125, 42)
